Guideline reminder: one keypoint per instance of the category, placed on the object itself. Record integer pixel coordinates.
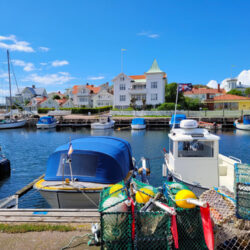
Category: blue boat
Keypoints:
(178, 118)
(244, 123)
(75, 180)
(138, 123)
(46, 122)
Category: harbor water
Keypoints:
(28, 151)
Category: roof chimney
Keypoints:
(218, 87)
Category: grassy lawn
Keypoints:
(24, 228)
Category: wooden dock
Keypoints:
(80, 216)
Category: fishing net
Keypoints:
(242, 192)
(116, 218)
(152, 230)
(230, 232)
(189, 223)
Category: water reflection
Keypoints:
(138, 132)
(102, 132)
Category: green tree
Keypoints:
(235, 92)
(132, 102)
(247, 92)
(192, 103)
(170, 93)
(57, 97)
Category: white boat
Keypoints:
(194, 159)
(77, 173)
(105, 122)
(244, 123)
(46, 122)
(138, 123)
(11, 123)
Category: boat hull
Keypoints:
(242, 126)
(69, 199)
(4, 168)
(16, 124)
(46, 126)
(138, 126)
(98, 125)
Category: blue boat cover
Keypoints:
(178, 119)
(139, 121)
(46, 120)
(246, 119)
(100, 159)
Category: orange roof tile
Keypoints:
(230, 97)
(137, 77)
(93, 88)
(61, 101)
(75, 89)
(204, 91)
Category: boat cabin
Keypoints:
(104, 118)
(176, 119)
(193, 154)
(246, 119)
(46, 120)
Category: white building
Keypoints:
(103, 98)
(148, 88)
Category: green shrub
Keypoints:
(168, 106)
(84, 110)
(45, 110)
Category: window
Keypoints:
(139, 86)
(83, 91)
(122, 78)
(195, 148)
(122, 98)
(139, 97)
(153, 85)
(83, 99)
(153, 97)
(122, 86)
(171, 146)
(82, 165)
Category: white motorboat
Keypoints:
(244, 123)
(194, 159)
(77, 172)
(46, 122)
(105, 122)
(138, 123)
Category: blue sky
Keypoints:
(57, 44)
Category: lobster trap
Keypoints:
(242, 191)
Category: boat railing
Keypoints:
(236, 159)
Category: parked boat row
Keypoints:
(78, 171)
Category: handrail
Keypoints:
(236, 159)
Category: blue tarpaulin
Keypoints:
(94, 159)
(246, 119)
(139, 121)
(46, 120)
(178, 118)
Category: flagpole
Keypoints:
(177, 91)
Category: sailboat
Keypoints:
(10, 122)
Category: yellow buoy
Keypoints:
(182, 195)
(143, 195)
(115, 188)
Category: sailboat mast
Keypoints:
(8, 58)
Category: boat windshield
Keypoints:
(195, 148)
(81, 164)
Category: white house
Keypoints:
(148, 88)
(50, 103)
(82, 95)
(103, 98)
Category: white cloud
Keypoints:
(26, 66)
(213, 84)
(14, 44)
(58, 63)
(49, 79)
(95, 78)
(148, 34)
(43, 63)
(3, 75)
(45, 49)
(244, 77)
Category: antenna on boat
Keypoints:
(177, 91)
